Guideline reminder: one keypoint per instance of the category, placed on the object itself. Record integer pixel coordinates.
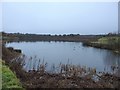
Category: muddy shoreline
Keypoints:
(70, 77)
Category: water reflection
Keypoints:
(112, 62)
(54, 53)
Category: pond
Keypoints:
(74, 53)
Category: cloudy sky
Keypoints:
(60, 17)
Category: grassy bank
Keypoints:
(9, 79)
(108, 42)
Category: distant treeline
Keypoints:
(48, 37)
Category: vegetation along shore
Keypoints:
(106, 41)
(70, 76)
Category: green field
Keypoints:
(9, 79)
(108, 40)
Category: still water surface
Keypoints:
(66, 52)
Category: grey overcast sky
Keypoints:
(60, 17)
